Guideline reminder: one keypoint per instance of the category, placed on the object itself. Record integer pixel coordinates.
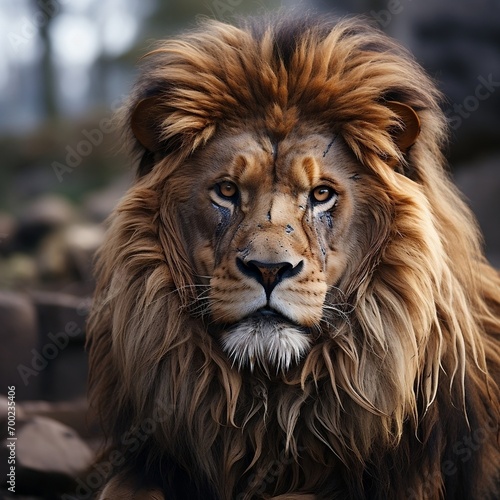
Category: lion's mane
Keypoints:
(399, 398)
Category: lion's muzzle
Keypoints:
(268, 336)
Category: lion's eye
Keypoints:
(227, 189)
(322, 194)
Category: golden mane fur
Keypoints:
(398, 397)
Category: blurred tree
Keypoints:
(47, 81)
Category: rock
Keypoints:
(43, 216)
(52, 259)
(67, 254)
(18, 331)
(61, 352)
(74, 414)
(49, 457)
(480, 183)
(68, 375)
(61, 312)
(18, 270)
(49, 446)
(7, 230)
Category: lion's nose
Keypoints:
(268, 274)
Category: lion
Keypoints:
(292, 300)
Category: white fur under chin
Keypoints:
(265, 342)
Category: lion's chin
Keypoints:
(268, 341)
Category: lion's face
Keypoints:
(272, 228)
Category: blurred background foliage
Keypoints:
(66, 65)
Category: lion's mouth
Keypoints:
(266, 339)
(269, 314)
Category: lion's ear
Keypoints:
(405, 136)
(144, 122)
